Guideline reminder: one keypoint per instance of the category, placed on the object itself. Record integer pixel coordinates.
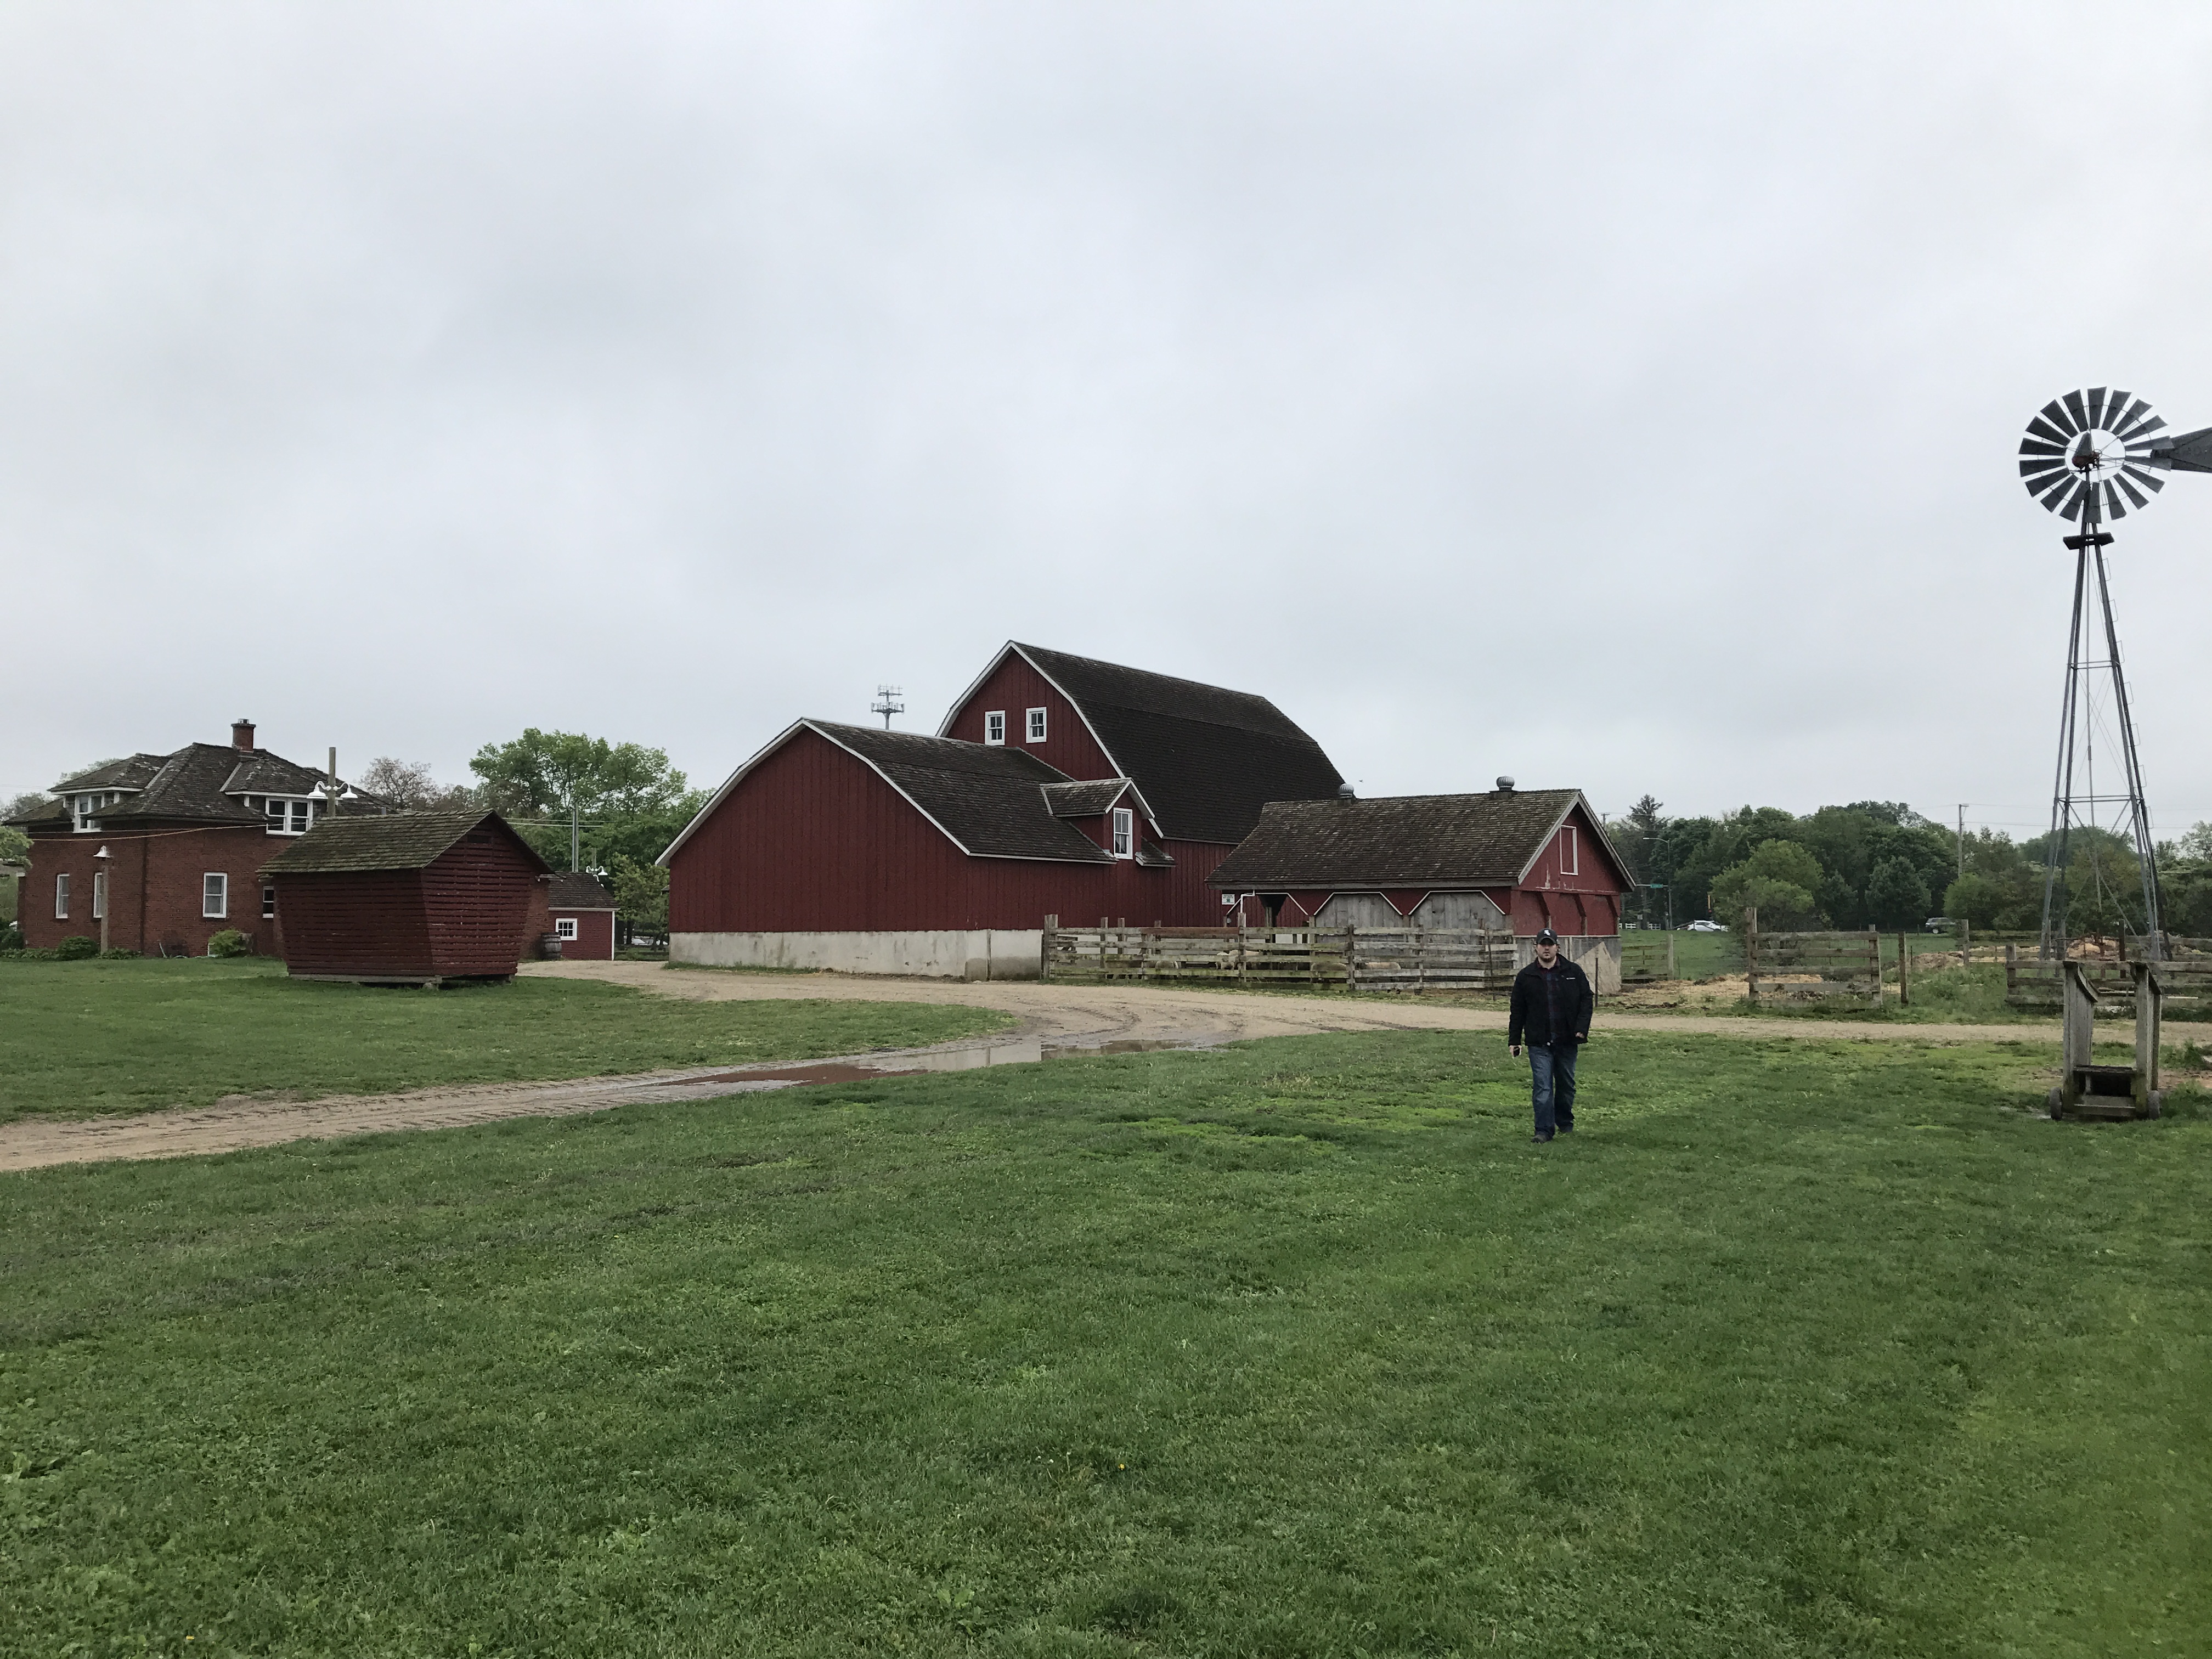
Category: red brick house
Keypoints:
(1512, 861)
(186, 836)
(416, 898)
(1056, 785)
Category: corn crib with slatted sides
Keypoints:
(1410, 959)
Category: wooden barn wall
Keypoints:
(370, 922)
(1017, 688)
(477, 895)
(1586, 901)
(813, 840)
(595, 936)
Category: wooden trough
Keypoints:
(2090, 1092)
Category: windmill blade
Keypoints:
(2123, 425)
(2040, 428)
(2064, 482)
(2149, 481)
(2036, 447)
(2056, 415)
(2073, 407)
(2192, 451)
(2096, 419)
(2037, 474)
(2112, 503)
(2072, 499)
(2140, 500)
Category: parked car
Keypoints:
(1940, 925)
(1704, 926)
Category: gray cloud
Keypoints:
(1614, 397)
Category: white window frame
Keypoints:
(293, 815)
(1124, 822)
(1570, 852)
(99, 895)
(214, 895)
(1035, 727)
(268, 902)
(994, 727)
(61, 897)
(564, 929)
(81, 810)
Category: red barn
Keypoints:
(1513, 861)
(1057, 786)
(417, 899)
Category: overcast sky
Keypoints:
(1616, 397)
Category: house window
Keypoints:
(85, 805)
(564, 927)
(215, 894)
(1570, 853)
(268, 903)
(1036, 726)
(289, 818)
(99, 895)
(994, 727)
(61, 898)
(1125, 832)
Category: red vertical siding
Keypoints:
(813, 840)
(369, 922)
(477, 895)
(1017, 687)
(595, 935)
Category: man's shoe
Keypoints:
(1566, 1129)
(1540, 1140)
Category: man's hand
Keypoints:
(1513, 1049)
(1581, 1036)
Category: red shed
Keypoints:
(578, 915)
(416, 898)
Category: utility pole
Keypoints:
(575, 839)
(887, 704)
(1962, 841)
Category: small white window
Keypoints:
(288, 818)
(564, 927)
(1036, 726)
(994, 727)
(268, 903)
(99, 895)
(61, 898)
(1125, 832)
(215, 894)
(85, 806)
(1570, 853)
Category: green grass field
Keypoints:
(1297, 1348)
(83, 1037)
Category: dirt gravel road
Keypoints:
(1058, 1016)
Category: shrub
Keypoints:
(229, 942)
(118, 954)
(77, 948)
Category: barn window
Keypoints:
(1036, 726)
(994, 727)
(564, 927)
(215, 894)
(268, 903)
(1571, 856)
(1125, 832)
(61, 898)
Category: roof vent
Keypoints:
(242, 735)
(1505, 786)
(1345, 792)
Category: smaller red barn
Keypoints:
(416, 898)
(579, 915)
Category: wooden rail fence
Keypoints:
(2038, 982)
(1413, 959)
(1811, 967)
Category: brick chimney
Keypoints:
(241, 736)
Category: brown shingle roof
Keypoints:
(1205, 759)
(1402, 841)
(1087, 799)
(200, 783)
(987, 799)
(403, 841)
(578, 889)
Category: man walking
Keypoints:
(1552, 1007)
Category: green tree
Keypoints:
(625, 798)
(1780, 880)
(1974, 898)
(1897, 894)
(640, 890)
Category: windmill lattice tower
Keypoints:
(2088, 457)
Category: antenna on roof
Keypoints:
(887, 704)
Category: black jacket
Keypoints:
(1532, 1016)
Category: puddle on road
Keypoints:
(1016, 1051)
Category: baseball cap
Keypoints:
(1547, 937)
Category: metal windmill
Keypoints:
(2088, 457)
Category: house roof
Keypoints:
(200, 783)
(578, 889)
(988, 801)
(402, 840)
(1089, 798)
(1205, 759)
(1402, 841)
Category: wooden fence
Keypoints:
(1414, 959)
(2186, 976)
(1782, 967)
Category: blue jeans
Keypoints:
(1554, 1070)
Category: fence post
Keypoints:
(1903, 971)
(1751, 954)
(1966, 943)
(1671, 974)
(1044, 956)
(1240, 947)
(1351, 961)
(2012, 970)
